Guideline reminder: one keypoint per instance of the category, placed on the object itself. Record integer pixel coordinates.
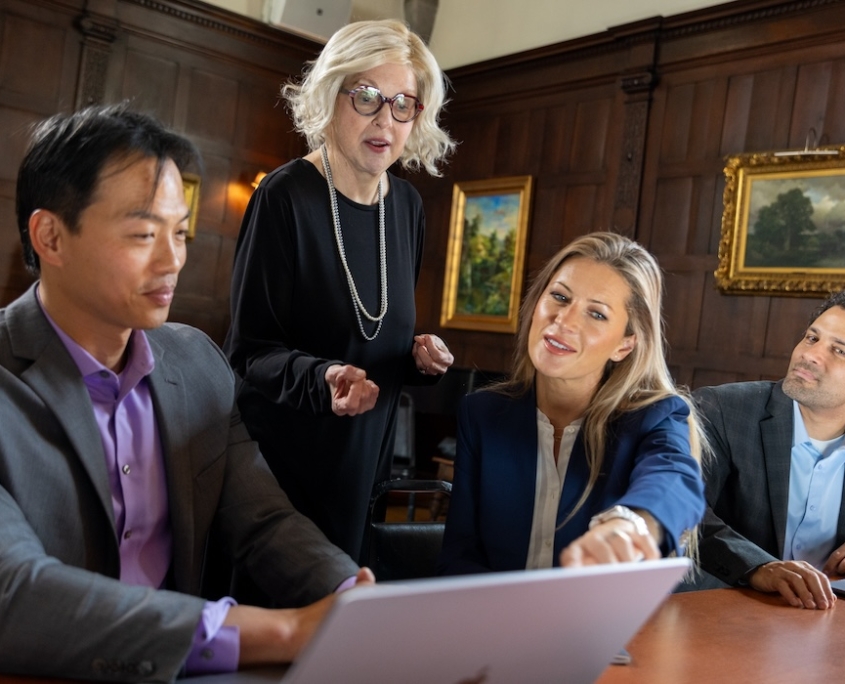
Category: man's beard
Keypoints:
(813, 397)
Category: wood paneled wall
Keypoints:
(206, 72)
(626, 130)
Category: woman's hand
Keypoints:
(351, 392)
(614, 541)
(431, 355)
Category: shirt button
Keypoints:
(207, 654)
(812, 508)
(548, 544)
(126, 470)
(127, 534)
(104, 374)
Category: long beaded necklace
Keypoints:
(357, 304)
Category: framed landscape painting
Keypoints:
(486, 254)
(783, 224)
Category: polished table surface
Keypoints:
(735, 636)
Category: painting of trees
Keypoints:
(487, 255)
(796, 224)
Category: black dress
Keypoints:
(292, 316)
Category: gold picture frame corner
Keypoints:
(191, 183)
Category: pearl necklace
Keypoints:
(357, 304)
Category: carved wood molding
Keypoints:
(627, 197)
(240, 27)
(99, 33)
(638, 87)
(739, 17)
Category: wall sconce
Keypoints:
(258, 177)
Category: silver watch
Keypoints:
(620, 512)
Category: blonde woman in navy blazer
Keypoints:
(590, 406)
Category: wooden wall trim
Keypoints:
(737, 14)
(222, 21)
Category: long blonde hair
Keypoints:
(354, 49)
(638, 380)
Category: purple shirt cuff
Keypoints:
(216, 648)
(348, 583)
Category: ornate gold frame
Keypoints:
(191, 182)
(512, 196)
(790, 271)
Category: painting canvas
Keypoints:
(783, 226)
(484, 267)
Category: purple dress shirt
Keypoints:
(125, 415)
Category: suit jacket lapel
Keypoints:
(776, 433)
(170, 398)
(517, 444)
(54, 376)
(840, 525)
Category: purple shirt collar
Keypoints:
(140, 364)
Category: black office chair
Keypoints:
(404, 462)
(406, 549)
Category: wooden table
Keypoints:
(735, 636)
(721, 636)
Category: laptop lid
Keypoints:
(556, 625)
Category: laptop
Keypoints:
(543, 626)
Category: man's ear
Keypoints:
(46, 232)
(624, 349)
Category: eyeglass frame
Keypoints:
(384, 100)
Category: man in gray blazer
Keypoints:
(121, 449)
(775, 520)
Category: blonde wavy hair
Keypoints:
(354, 49)
(641, 378)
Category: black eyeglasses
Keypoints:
(368, 101)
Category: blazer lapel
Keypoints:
(170, 399)
(776, 433)
(55, 378)
(515, 434)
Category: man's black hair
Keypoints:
(68, 152)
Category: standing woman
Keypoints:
(325, 267)
(587, 453)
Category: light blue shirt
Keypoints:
(815, 495)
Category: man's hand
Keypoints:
(274, 636)
(364, 576)
(614, 541)
(835, 565)
(431, 355)
(797, 581)
(351, 392)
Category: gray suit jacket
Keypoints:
(747, 480)
(63, 611)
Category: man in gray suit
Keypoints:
(121, 449)
(776, 520)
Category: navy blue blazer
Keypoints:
(647, 465)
